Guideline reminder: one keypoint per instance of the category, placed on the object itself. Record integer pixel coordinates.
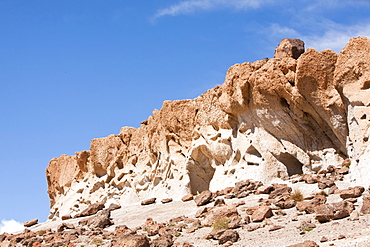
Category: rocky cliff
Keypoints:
(295, 113)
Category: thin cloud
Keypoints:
(334, 36)
(190, 6)
(337, 37)
(10, 226)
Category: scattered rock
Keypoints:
(339, 210)
(247, 219)
(131, 240)
(31, 222)
(64, 226)
(280, 190)
(148, 201)
(325, 183)
(275, 228)
(324, 239)
(354, 216)
(91, 210)
(235, 222)
(252, 227)
(66, 217)
(307, 243)
(220, 202)
(264, 189)
(228, 235)
(203, 198)
(113, 207)
(341, 236)
(162, 241)
(352, 192)
(202, 212)
(286, 204)
(100, 220)
(309, 178)
(309, 206)
(306, 225)
(166, 200)
(218, 213)
(187, 197)
(261, 213)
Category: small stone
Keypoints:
(113, 207)
(354, 216)
(323, 239)
(187, 197)
(341, 236)
(307, 243)
(203, 198)
(66, 217)
(238, 203)
(252, 227)
(132, 240)
(235, 222)
(261, 213)
(228, 235)
(148, 201)
(264, 189)
(275, 227)
(217, 213)
(91, 210)
(219, 202)
(166, 200)
(201, 212)
(31, 222)
(247, 219)
(100, 220)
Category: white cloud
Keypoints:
(276, 30)
(190, 6)
(336, 37)
(330, 35)
(10, 226)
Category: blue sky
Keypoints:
(71, 71)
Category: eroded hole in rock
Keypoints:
(97, 186)
(119, 164)
(284, 102)
(201, 173)
(253, 151)
(363, 116)
(252, 156)
(237, 158)
(99, 170)
(293, 165)
(366, 85)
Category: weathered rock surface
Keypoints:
(296, 113)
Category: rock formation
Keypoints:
(296, 113)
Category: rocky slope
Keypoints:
(305, 211)
(298, 112)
